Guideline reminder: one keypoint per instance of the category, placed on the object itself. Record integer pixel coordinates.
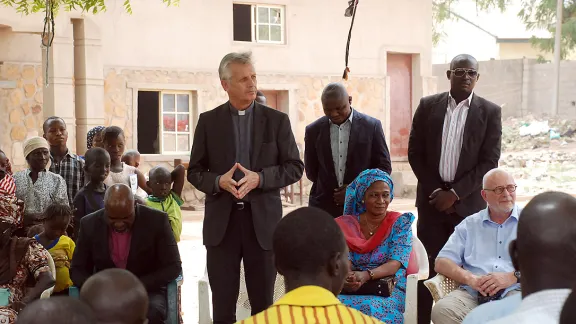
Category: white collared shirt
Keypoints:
(538, 308)
(339, 138)
(453, 136)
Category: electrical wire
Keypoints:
(353, 6)
(48, 35)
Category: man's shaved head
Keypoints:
(335, 91)
(119, 207)
(463, 58)
(58, 309)
(116, 296)
(545, 249)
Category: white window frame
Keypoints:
(175, 113)
(255, 24)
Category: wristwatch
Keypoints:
(517, 275)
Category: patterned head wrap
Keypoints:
(355, 192)
(90, 136)
(33, 144)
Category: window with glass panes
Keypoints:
(176, 130)
(268, 24)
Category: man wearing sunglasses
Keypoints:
(477, 254)
(455, 139)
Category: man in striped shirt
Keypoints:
(312, 255)
(455, 139)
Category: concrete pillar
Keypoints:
(89, 79)
(59, 95)
(525, 93)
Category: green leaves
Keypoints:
(91, 6)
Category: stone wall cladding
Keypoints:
(367, 93)
(21, 114)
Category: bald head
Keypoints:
(59, 309)
(119, 206)
(499, 192)
(463, 58)
(545, 249)
(116, 296)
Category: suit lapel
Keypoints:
(258, 128)
(355, 130)
(228, 135)
(103, 237)
(437, 127)
(136, 232)
(323, 145)
(473, 119)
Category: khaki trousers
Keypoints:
(455, 306)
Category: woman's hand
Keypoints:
(351, 284)
(362, 277)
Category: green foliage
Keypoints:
(91, 6)
(536, 14)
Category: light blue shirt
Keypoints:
(339, 138)
(493, 310)
(480, 245)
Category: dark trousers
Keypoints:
(223, 261)
(434, 229)
(157, 307)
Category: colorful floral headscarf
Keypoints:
(90, 136)
(355, 191)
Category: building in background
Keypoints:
(153, 72)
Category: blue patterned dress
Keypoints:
(397, 247)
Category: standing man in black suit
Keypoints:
(455, 139)
(338, 147)
(243, 153)
(136, 238)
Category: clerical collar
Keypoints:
(236, 112)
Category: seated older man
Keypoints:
(132, 237)
(476, 255)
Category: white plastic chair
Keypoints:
(243, 305)
(48, 292)
(440, 286)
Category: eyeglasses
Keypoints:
(461, 72)
(500, 190)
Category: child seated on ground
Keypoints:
(166, 192)
(56, 219)
(132, 158)
(91, 197)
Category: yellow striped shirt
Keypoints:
(310, 305)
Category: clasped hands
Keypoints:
(355, 280)
(490, 284)
(442, 200)
(241, 188)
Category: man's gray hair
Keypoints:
(240, 58)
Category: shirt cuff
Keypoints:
(217, 185)
(261, 183)
(455, 194)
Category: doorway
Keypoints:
(400, 72)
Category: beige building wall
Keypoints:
(510, 51)
(98, 64)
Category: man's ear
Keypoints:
(513, 250)
(333, 266)
(477, 77)
(278, 268)
(448, 74)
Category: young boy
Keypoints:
(91, 198)
(132, 158)
(166, 192)
(63, 162)
(53, 238)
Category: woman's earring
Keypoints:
(362, 201)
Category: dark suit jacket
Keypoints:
(274, 154)
(480, 150)
(154, 257)
(367, 149)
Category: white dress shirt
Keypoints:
(453, 136)
(542, 307)
(339, 138)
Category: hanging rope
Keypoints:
(48, 35)
(350, 11)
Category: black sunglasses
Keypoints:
(461, 72)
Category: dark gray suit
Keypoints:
(480, 153)
(232, 231)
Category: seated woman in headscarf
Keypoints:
(20, 258)
(380, 244)
(36, 186)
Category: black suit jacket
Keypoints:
(274, 154)
(480, 150)
(367, 149)
(154, 257)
